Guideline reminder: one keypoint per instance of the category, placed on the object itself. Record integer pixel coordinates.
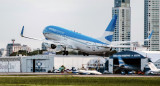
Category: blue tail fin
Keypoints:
(121, 62)
(108, 34)
(150, 35)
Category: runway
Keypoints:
(68, 75)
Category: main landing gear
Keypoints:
(85, 54)
(65, 52)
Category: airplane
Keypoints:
(55, 36)
(122, 64)
(89, 72)
(58, 36)
(154, 69)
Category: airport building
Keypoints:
(40, 63)
(152, 22)
(77, 61)
(44, 63)
(129, 58)
(138, 59)
(123, 25)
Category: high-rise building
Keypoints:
(123, 25)
(151, 22)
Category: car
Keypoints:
(56, 71)
(130, 72)
(123, 73)
(140, 73)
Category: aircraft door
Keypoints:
(94, 47)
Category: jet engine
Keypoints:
(52, 46)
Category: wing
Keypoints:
(43, 40)
(119, 46)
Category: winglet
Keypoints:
(149, 37)
(22, 31)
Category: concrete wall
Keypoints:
(144, 63)
(72, 61)
(110, 66)
(43, 63)
(10, 64)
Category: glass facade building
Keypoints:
(123, 25)
(151, 22)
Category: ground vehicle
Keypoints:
(140, 73)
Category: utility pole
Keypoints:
(13, 45)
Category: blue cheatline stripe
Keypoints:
(69, 38)
(64, 32)
(109, 38)
(112, 24)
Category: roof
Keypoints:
(154, 55)
(128, 54)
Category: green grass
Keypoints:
(72, 81)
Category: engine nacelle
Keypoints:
(52, 46)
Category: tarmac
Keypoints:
(64, 74)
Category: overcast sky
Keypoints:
(89, 17)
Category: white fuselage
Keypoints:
(82, 45)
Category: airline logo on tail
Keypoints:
(108, 34)
(149, 37)
(121, 62)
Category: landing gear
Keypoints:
(65, 52)
(111, 49)
(85, 54)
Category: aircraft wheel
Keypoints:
(84, 54)
(110, 49)
(66, 52)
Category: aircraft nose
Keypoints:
(45, 30)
